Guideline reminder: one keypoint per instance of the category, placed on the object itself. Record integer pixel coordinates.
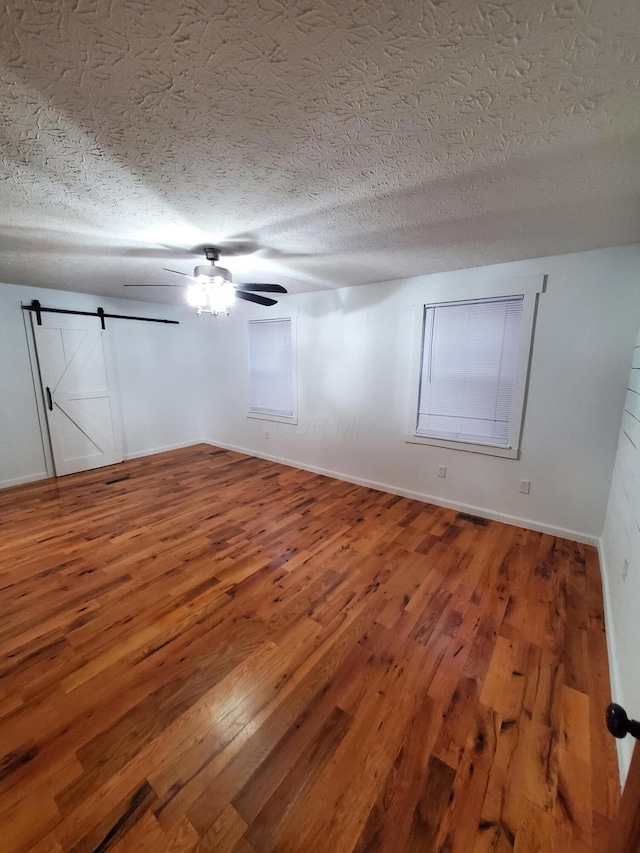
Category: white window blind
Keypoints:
(271, 390)
(468, 369)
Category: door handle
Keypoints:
(619, 724)
(49, 400)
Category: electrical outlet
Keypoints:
(525, 487)
(442, 470)
(625, 569)
(267, 433)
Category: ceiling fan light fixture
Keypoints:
(221, 297)
(213, 292)
(197, 295)
(212, 296)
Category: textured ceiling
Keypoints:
(325, 143)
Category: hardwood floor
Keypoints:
(203, 651)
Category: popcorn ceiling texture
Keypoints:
(333, 143)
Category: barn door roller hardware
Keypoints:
(39, 311)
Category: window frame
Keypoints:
(528, 287)
(265, 416)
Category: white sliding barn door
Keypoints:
(73, 360)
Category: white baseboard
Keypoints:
(138, 454)
(528, 524)
(32, 478)
(623, 745)
(19, 481)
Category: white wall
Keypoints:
(154, 363)
(179, 384)
(620, 542)
(354, 358)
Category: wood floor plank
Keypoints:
(459, 824)
(389, 822)
(204, 651)
(266, 821)
(215, 782)
(225, 834)
(23, 824)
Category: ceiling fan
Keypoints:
(213, 290)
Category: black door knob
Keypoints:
(619, 723)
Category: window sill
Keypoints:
(469, 446)
(281, 419)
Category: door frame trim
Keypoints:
(38, 394)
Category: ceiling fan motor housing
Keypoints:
(211, 271)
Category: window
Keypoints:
(272, 391)
(472, 371)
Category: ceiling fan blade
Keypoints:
(155, 285)
(177, 273)
(251, 297)
(262, 288)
